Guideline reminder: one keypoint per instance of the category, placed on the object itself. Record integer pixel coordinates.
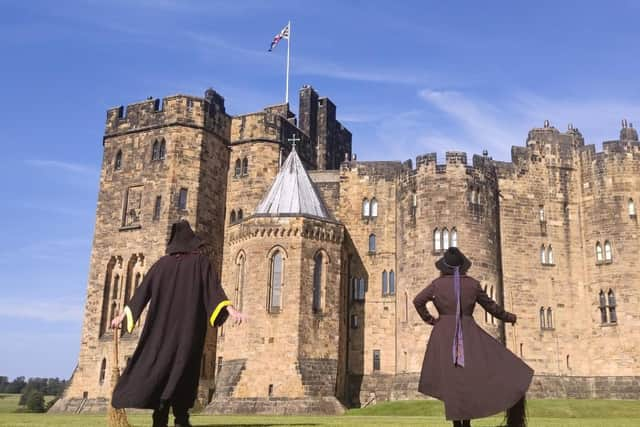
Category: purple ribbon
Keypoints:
(458, 343)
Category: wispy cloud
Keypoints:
(64, 166)
(49, 310)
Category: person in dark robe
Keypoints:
(184, 295)
(473, 373)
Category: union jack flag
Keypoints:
(283, 34)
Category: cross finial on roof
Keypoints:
(293, 141)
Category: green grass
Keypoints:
(9, 403)
(542, 413)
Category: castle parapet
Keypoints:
(208, 112)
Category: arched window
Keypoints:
(549, 318)
(232, 218)
(607, 251)
(103, 371)
(238, 169)
(366, 212)
(543, 255)
(275, 284)
(542, 320)
(392, 283)
(603, 307)
(372, 243)
(374, 208)
(117, 165)
(116, 284)
(156, 208)
(359, 288)
(436, 240)
(240, 262)
(521, 356)
(138, 277)
(445, 239)
(568, 367)
(245, 166)
(163, 150)
(317, 282)
(114, 311)
(385, 283)
(106, 297)
(182, 199)
(239, 214)
(155, 150)
(541, 213)
(613, 318)
(632, 208)
(550, 255)
(454, 238)
(599, 257)
(474, 195)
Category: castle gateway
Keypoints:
(326, 253)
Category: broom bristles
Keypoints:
(116, 417)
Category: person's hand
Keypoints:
(238, 317)
(115, 323)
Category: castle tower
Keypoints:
(163, 160)
(284, 265)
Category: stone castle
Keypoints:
(325, 253)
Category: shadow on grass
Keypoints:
(256, 425)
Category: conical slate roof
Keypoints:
(292, 192)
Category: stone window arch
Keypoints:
(277, 258)
(103, 370)
(437, 242)
(392, 282)
(543, 323)
(549, 318)
(162, 152)
(238, 168)
(241, 271)
(602, 303)
(372, 243)
(454, 238)
(608, 255)
(611, 297)
(374, 208)
(445, 239)
(106, 296)
(245, 166)
(232, 217)
(543, 255)
(320, 267)
(385, 283)
(541, 213)
(549, 255)
(155, 150)
(473, 195)
(599, 256)
(631, 207)
(117, 164)
(240, 214)
(366, 208)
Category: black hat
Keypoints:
(183, 239)
(452, 258)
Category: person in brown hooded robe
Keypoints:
(184, 295)
(473, 373)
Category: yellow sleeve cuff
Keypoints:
(216, 312)
(129, 315)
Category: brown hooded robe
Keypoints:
(493, 379)
(184, 295)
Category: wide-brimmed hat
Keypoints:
(452, 258)
(183, 239)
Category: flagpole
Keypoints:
(286, 93)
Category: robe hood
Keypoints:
(452, 258)
(183, 239)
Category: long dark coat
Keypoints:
(184, 296)
(493, 379)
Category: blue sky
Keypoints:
(408, 78)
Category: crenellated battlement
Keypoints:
(207, 113)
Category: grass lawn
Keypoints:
(542, 413)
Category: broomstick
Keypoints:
(117, 417)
